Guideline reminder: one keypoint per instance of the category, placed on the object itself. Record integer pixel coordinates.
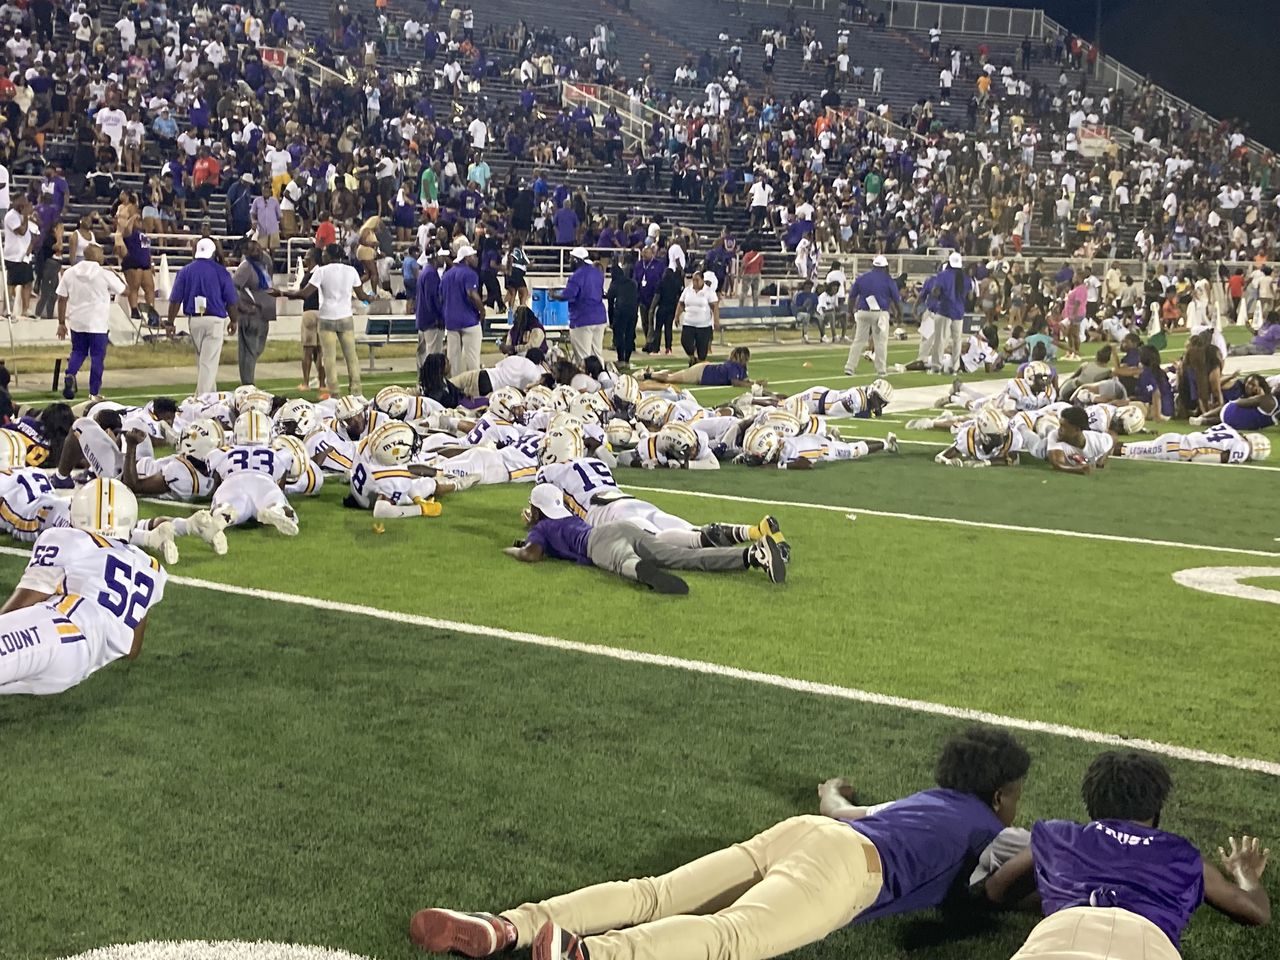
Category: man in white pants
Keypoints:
(873, 295)
(463, 309)
(204, 290)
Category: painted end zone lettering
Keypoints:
(1225, 581)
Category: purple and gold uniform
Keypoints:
(1219, 444)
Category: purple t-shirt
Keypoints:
(1149, 384)
(723, 374)
(459, 312)
(924, 842)
(584, 293)
(1115, 863)
(563, 538)
(566, 222)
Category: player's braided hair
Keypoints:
(980, 761)
(1125, 786)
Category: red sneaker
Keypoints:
(448, 931)
(552, 943)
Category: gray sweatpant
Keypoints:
(619, 548)
(251, 340)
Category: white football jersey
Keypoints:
(1096, 445)
(493, 431)
(369, 481)
(309, 482)
(581, 481)
(335, 453)
(22, 493)
(1221, 439)
(1019, 391)
(108, 586)
(186, 480)
(250, 459)
(969, 442)
(807, 446)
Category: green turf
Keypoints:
(281, 773)
(270, 771)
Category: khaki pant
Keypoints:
(587, 342)
(329, 340)
(463, 348)
(1096, 933)
(873, 326)
(792, 885)
(429, 342)
(207, 334)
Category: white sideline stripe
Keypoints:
(733, 673)
(956, 521)
(172, 503)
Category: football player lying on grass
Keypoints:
(794, 884)
(860, 402)
(762, 446)
(84, 598)
(384, 478)
(1219, 444)
(630, 552)
(1072, 447)
(987, 440)
(1119, 886)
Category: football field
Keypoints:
(326, 733)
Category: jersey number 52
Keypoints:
(128, 591)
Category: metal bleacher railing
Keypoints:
(953, 18)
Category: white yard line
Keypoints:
(719, 670)
(956, 521)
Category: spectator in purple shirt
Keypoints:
(1119, 886)
(566, 223)
(1265, 342)
(648, 274)
(794, 884)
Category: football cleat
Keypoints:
(159, 540)
(281, 517)
(767, 526)
(891, 443)
(659, 581)
(208, 527)
(449, 931)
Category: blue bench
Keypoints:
(381, 330)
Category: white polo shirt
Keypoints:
(90, 289)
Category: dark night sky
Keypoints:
(1218, 56)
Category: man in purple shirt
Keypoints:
(873, 296)
(1119, 886)
(648, 273)
(566, 223)
(792, 885)
(584, 293)
(429, 318)
(462, 307)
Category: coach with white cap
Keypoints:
(204, 290)
(463, 308)
(952, 289)
(587, 314)
(873, 295)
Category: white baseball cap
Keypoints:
(880, 261)
(205, 249)
(580, 253)
(463, 253)
(549, 501)
(955, 260)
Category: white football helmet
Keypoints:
(348, 407)
(297, 456)
(591, 408)
(537, 397)
(255, 399)
(562, 398)
(392, 444)
(13, 452)
(882, 389)
(678, 441)
(619, 433)
(991, 423)
(507, 403)
(1259, 445)
(653, 412)
(562, 445)
(564, 421)
(782, 423)
(797, 406)
(105, 507)
(1048, 422)
(201, 439)
(393, 401)
(1130, 419)
(240, 393)
(626, 390)
(761, 443)
(251, 427)
(297, 418)
(1037, 368)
